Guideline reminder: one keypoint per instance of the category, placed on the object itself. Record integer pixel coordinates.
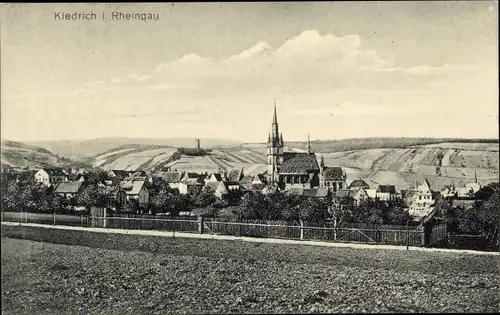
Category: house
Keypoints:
(372, 193)
(76, 177)
(190, 187)
(171, 179)
(214, 178)
(316, 192)
(449, 192)
(386, 192)
(469, 191)
(234, 175)
(137, 174)
(219, 189)
(118, 174)
(358, 183)
(50, 176)
(68, 189)
(190, 183)
(423, 200)
(358, 194)
(136, 189)
(332, 177)
(253, 183)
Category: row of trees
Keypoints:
(27, 196)
(479, 218)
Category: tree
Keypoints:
(489, 212)
(131, 206)
(313, 210)
(88, 197)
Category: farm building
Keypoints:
(386, 192)
(50, 176)
(136, 189)
(68, 189)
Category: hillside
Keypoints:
(331, 146)
(82, 149)
(17, 154)
(442, 164)
(148, 158)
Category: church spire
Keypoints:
(322, 162)
(475, 176)
(275, 117)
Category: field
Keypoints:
(96, 273)
(16, 154)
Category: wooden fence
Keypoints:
(359, 233)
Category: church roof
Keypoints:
(298, 163)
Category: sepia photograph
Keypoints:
(250, 157)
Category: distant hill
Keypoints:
(17, 154)
(330, 146)
(81, 149)
(150, 158)
(402, 161)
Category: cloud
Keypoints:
(307, 63)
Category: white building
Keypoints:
(423, 202)
(50, 176)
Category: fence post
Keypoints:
(200, 224)
(407, 234)
(54, 217)
(104, 220)
(335, 228)
(81, 220)
(301, 230)
(423, 235)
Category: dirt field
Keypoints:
(122, 274)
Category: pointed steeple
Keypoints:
(322, 162)
(475, 176)
(281, 139)
(275, 117)
(268, 137)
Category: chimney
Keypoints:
(198, 144)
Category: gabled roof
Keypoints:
(169, 177)
(359, 183)
(75, 176)
(319, 192)
(138, 174)
(322, 192)
(333, 173)
(54, 171)
(120, 173)
(391, 189)
(216, 176)
(132, 187)
(68, 187)
(235, 175)
(298, 163)
(342, 193)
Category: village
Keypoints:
(294, 173)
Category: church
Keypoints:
(289, 170)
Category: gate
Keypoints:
(98, 217)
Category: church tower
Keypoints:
(275, 146)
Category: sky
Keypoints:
(214, 70)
